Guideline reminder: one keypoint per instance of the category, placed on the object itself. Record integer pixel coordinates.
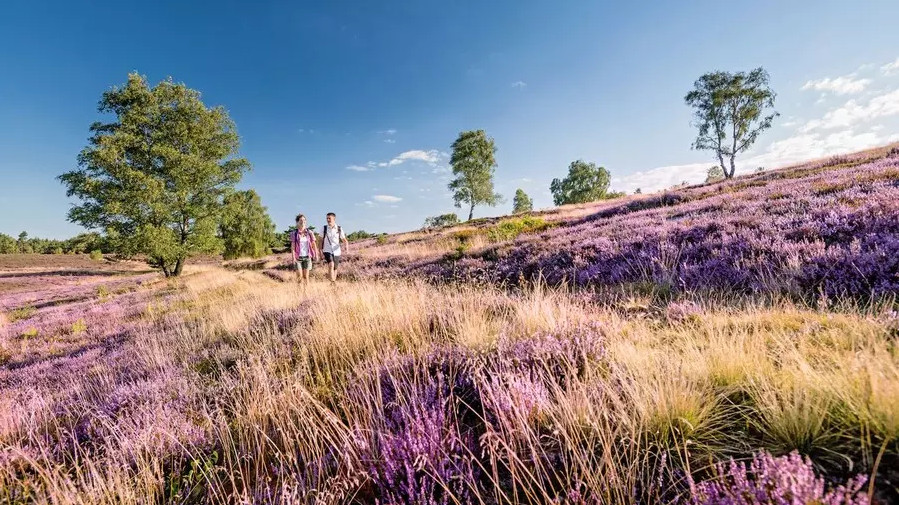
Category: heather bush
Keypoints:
(769, 480)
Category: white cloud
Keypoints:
(519, 84)
(890, 68)
(853, 113)
(431, 157)
(845, 85)
(386, 198)
(390, 131)
(390, 141)
(358, 168)
(661, 177)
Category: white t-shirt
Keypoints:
(332, 237)
(304, 244)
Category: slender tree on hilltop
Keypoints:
(154, 177)
(473, 164)
(731, 111)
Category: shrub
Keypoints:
(382, 239)
(102, 292)
(442, 220)
(30, 333)
(509, 229)
(79, 326)
(96, 255)
(21, 313)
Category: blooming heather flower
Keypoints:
(769, 480)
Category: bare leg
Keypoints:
(333, 271)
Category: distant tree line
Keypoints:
(79, 244)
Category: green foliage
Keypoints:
(473, 164)
(21, 313)
(7, 244)
(154, 178)
(30, 333)
(78, 327)
(714, 174)
(465, 236)
(382, 239)
(441, 221)
(585, 183)
(96, 255)
(522, 202)
(245, 228)
(102, 292)
(362, 235)
(729, 112)
(78, 244)
(509, 229)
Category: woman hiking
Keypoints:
(304, 249)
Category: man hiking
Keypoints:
(303, 248)
(332, 237)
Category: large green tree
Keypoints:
(522, 202)
(585, 182)
(731, 110)
(246, 228)
(473, 164)
(153, 177)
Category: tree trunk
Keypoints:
(723, 167)
(471, 212)
(165, 271)
(733, 168)
(178, 266)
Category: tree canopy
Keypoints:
(473, 165)
(731, 111)
(153, 178)
(585, 183)
(522, 202)
(246, 228)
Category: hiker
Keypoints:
(304, 249)
(332, 236)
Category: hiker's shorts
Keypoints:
(335, 258)
(304, 263)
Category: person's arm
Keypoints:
(346, 243)
(314, 245)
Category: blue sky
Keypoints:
(384, 88)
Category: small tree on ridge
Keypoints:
(729, 113)
(522, 202)
(473, 165)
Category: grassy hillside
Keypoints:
(696, 346)
(822, 230)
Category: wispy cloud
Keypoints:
(390, 141)
(386, 198)
(890, 68)
(844, 85)
(389, 131)
(853, 113)
(305, 130)
(358, 168)
(519, 84)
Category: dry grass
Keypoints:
(248, 379)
